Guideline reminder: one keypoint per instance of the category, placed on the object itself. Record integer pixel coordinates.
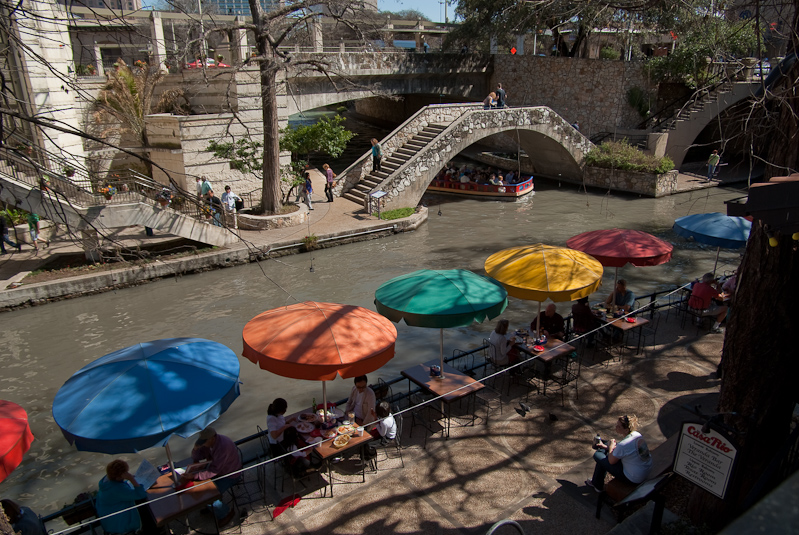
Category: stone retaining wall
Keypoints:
(648, 184)
(592, 92)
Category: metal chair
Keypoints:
(650, 329)
(490, 352)
(426, 415)
(568, 374)
(395, 443)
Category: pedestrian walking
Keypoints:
(501, 95)
(307, 190)
(490, 101)
(576, 126)
(425, 46)
(330, 182)
(215, 207)
(712, 163)
(6, 239)
(377, 155)
(206, 188)
(33, 227)
(199, 186)
(231, 203)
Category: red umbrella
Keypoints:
(15, 437)
(317, 341)
(616, 247)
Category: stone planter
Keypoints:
(649, 184)
(260, 222)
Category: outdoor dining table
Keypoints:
(177, 505)
(624, 326)
(553, 349)
(327, 451)
(453, 386)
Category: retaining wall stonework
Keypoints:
(260, 222)
(592, 92)
(648, 184)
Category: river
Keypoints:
(41, 347)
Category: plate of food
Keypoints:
(538, 348)
(336, 412)
(329, 433)
(304, 427)
(629, 320)
(344, 429)
(307, 417)
(314, 440)
(341, 441)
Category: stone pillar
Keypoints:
(45, 51)
(317, 38)
(90, 241)
(239, 50)
(492, 47)
(418, 34)
(341, 47)
(98, 59)
(157, 37)
(520, 45)
(656, 143)
(388, 34)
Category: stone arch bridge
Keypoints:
(415, 152)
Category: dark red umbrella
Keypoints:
(616, 247)
(15, 437)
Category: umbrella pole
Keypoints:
(718, 250)
(171, 463)
(441, 350)
(324, 399)
(538, 321)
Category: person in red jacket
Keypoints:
(703, 300)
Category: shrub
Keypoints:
(609, 53)
(398, 213)
(639, 100)
(622, 155)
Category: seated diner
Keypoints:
(362, 400)
(621, 297)
(276, 424)
(115, 494)
(703, 300)
(583, 320)
(552, 325)
(501, 348)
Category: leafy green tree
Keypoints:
(700, 38)
(327, 136)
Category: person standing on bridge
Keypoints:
(712, 162)
(501, 95)
(377, 155)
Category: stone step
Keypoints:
(353, 198)
(408, 153)
(416, 145)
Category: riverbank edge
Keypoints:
(72, 287)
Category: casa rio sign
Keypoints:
(706, 459)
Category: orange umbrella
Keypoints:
(318, 341)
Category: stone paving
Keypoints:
(527, 468)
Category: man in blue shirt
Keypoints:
(621, 297)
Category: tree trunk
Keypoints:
(270, 190)
(759, 361)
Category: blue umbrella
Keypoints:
(714, 229)
(139, 396)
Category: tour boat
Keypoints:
(472, 189)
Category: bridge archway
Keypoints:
(556, 147)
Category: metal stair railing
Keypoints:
(668, 112)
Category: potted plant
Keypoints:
(69, 171)
(108, 191)
(91, 69)
(310, 242)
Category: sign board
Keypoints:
(705, 459)
(377, 194)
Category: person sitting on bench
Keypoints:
(628, 461)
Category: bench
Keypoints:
(618, 493)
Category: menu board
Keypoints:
(705, 458)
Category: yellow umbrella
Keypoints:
(539, 272)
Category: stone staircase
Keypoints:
(65, 201)
(359, 192)
(696, 105)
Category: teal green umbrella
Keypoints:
(440, 299)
